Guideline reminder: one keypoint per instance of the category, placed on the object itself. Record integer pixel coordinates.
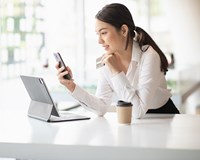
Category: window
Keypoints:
(31, 30)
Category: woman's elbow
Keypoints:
(138, 115)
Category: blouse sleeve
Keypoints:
(99, 103)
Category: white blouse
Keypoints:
(144, 85)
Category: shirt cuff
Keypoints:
(78, 92)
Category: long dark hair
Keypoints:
(117, 14)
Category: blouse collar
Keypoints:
(137, 52)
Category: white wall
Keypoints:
(184, 17)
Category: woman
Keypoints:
(134, 67)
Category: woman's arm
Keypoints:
(141, 96)
(98, 104)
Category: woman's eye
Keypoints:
(103, 33)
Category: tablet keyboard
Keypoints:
(67, 117)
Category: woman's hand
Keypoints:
(113, 61)
(67, 83)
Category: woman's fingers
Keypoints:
(63, 71)
(61, 74)
(60, 70)
(57, 65)
(106, 57)
(70, 71)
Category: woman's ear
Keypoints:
(124, 30)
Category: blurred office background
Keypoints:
(31, 30)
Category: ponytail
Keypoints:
(143, 38)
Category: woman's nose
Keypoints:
(100, 40)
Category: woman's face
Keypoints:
(110, 39)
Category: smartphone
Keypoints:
(61, 64)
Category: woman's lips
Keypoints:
(106, 47)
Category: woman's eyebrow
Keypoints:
(101, 29)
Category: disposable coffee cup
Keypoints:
(124, 112)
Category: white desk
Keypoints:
(101, 138)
